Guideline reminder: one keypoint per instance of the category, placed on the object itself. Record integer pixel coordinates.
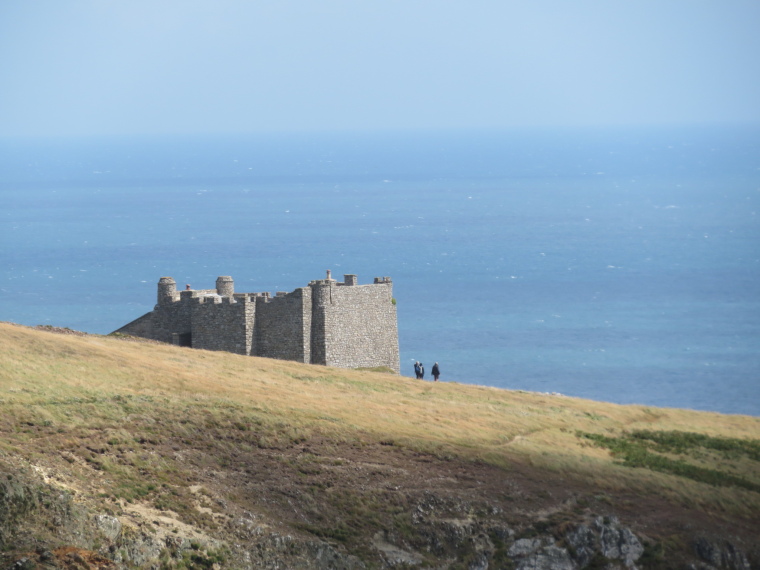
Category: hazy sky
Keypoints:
(173, 66)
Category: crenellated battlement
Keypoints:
(349, 280)
(328, 322)
(196, 294)
(214, 299)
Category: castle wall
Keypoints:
(141, 326)
(336, 324)
(162, 324)
(222, 323)
(283, 326)
(359, 325)
(174, 318)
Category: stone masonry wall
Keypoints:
(360, 326)
(282, 326)
(161, 323)
(174, 318)
(141, 326)
(223, 323)
(169, 319)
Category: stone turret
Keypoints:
(225, 286)
(321, 291)
(167, 290)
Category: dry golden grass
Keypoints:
(39, 370)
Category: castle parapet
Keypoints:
(187, 294)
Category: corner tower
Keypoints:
(354, 326)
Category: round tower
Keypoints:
(225, 286)
(167, 289)
(320, 292)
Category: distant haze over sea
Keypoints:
(618, 265)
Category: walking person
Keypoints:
(436, 371)
(417, 370)
(422, 371)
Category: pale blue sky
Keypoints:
(202, 66)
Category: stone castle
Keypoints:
(346, 325)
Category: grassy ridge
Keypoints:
(56, 391)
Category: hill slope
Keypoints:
(116, 453)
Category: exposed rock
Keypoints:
(525, 547)
(109, 526)
(540, 554)
(277, 551)
(618, 543)
(137, 547)
(583, 543)
(607, 538)
(393, 555)
(721, 554)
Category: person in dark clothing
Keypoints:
(417, 370)
(422, 371)
(436, 371)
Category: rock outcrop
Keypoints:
(442, 533)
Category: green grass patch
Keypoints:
(648, 449)
(682, 442)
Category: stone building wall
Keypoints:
(280, 326)
(222, 323)
(141, 326)
(360, 327)
(172, 319)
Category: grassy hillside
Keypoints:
(185, 437)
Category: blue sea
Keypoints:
(620, 265)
